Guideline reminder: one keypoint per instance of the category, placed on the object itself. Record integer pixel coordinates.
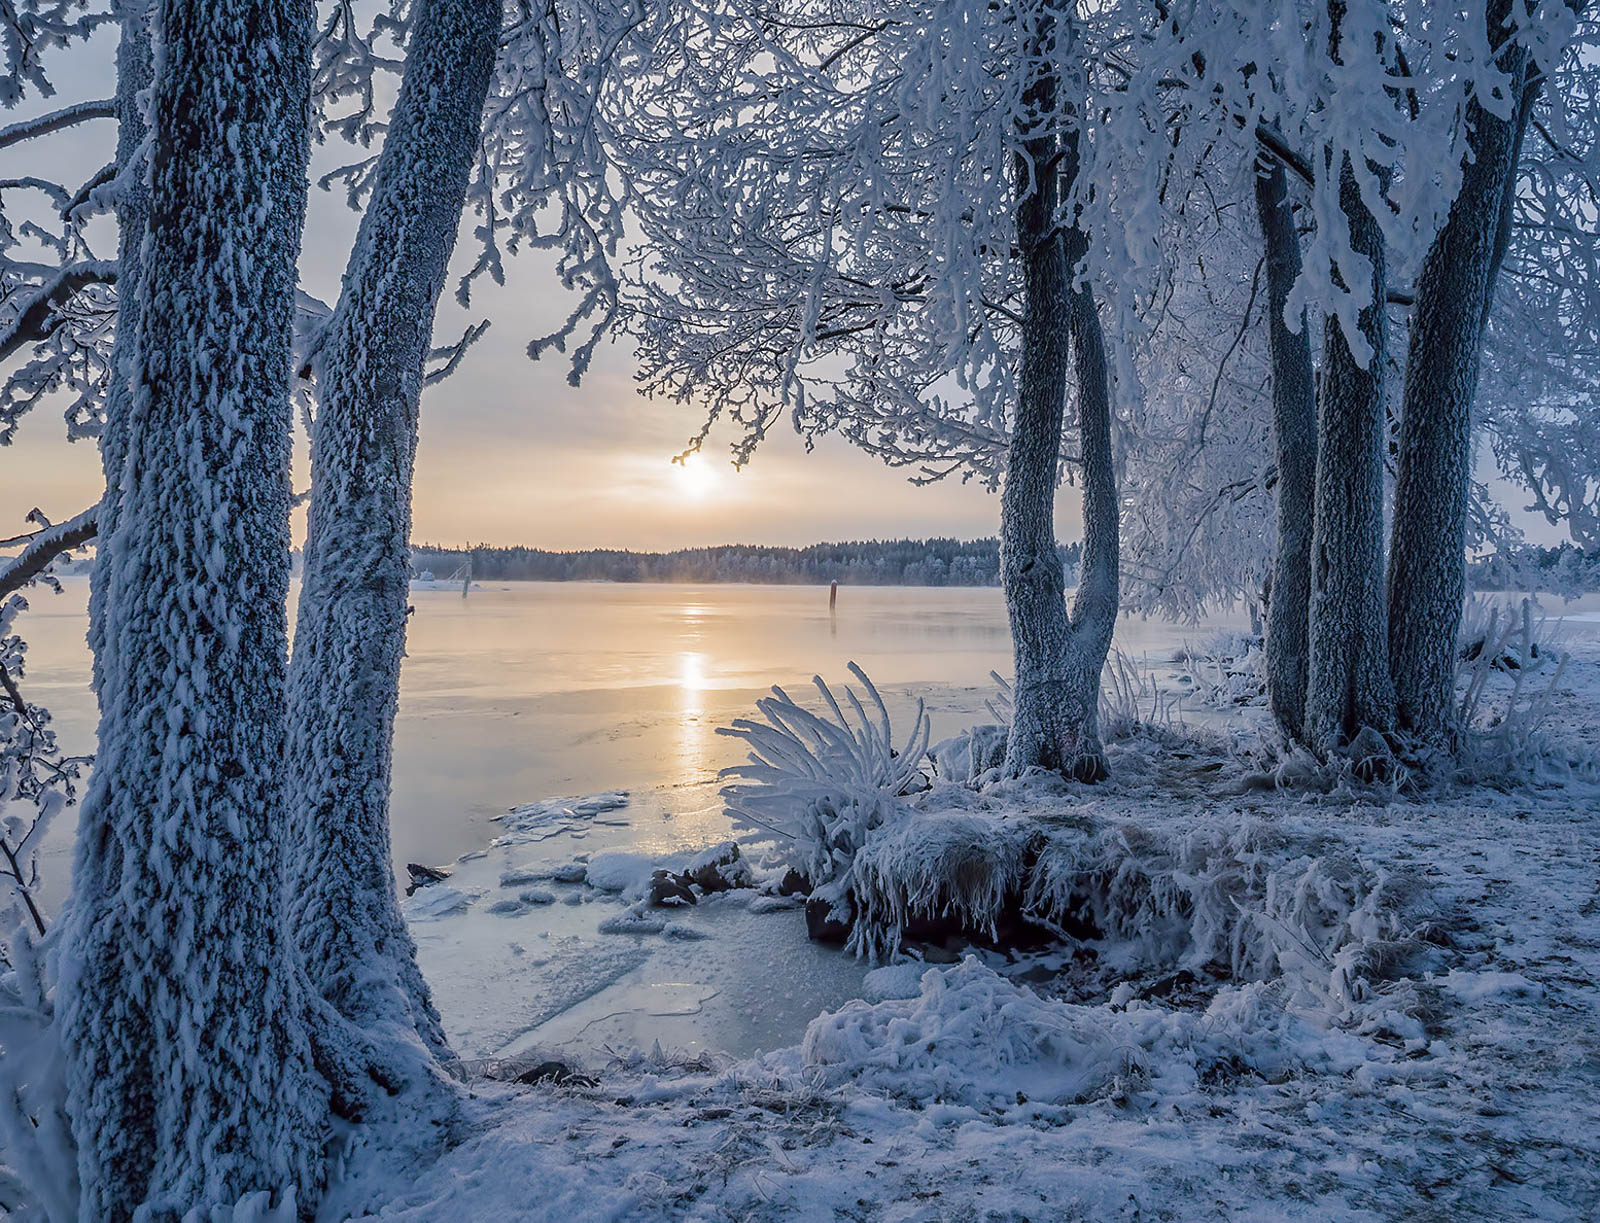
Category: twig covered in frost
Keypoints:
(1507, 738)
(815, 786)
(38, 1179)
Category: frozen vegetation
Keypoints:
(1301, 298)
(1328, 1000)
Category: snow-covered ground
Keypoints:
(1279, 1003)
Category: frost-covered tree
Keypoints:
(1294, 441)
(887, 225)
(1427, 562)
(350, 632)
(1407, 110)
(190, 1076)
(532, 147)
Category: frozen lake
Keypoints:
(530, 689)
(525, 691)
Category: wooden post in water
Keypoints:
(833, 597)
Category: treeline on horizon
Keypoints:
(1564, 568)
(897, 562)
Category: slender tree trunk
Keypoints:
(1348, 685)
(1294, 435)
(1427, 555)
(190, 1081)
(132, 205)
(350, 634)
(1058, 657)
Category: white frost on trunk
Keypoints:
(190, 1080)
(1294, 440)
(1348, 686)
(350, 634)
(1427, 555)
(1058, 656)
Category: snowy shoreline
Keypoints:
(1391, 1044)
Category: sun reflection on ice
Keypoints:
(692, 672)
(694, 763)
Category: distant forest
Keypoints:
(898, 562)
(1565, 569)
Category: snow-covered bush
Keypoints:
(813, 785)
(1508, 675)
(1228, 670)
(38, 1162)
(970, 1038)
(38, 1175)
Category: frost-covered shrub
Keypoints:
(38, 1175)
(39, 1172)
(813, 785)
(1228, 670)
(956, 865)
(1509, 672)
(970, 1038)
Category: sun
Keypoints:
(696, 476)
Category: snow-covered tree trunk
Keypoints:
(190, 1081)
(1427, 555)
(1058, 658)
(1294, 438)
(350, 632)
(134, 66)
(1094, 610)
(1348, 685)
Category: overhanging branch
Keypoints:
(33, 322)
(44, 545)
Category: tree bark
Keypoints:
(134, 67)
(1427, 555)
(1294, 436)
(1058, 657)
(350, 634)
(1348, 685)
(190, 1081)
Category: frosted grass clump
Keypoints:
(1235, 896)
(1130, 698)
(813, 785)
(1506, 701)
(1229, 670)
(957, 865)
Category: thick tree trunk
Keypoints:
(1294, 437)
(350, 634)
(1348, 685)
(1058, 658)
(190, 1081)
(1427, 555)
